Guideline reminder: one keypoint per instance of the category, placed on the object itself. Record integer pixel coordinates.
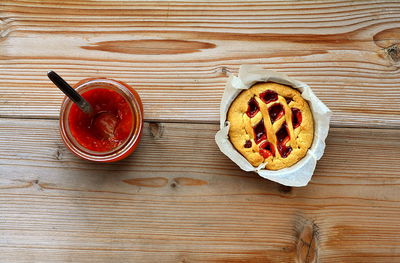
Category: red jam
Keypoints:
(267, 149)
(283, 137)
(108, 127)
(288, 100)
(259, 131)
(248, 144)
(284, 150)
(296, 117)
(276, 112)
(269, 96)
(253, 108)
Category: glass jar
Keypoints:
(72, 138)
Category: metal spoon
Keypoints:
(70, 92)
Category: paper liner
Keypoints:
(300, 173)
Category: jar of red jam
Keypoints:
(112, 131)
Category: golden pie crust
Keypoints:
(271, 123)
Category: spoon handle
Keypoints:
(70, 92)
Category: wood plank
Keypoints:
(179, 54)
(178, 199)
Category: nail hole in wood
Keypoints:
(156, 130)
(59, 153)
(285, 189)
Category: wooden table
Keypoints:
(178, 198)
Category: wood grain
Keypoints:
(178, 199)
(179, 54)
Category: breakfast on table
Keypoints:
(271, 124)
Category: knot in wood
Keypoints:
(307, 243)
(393, 53)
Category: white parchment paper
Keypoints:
(298, 174)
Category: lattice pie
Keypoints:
(271, 123)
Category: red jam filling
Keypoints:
(284, 150)
(248, 144)
(253, 108)
(110, 124)
(283, 137)
(269, 96)
(259, 131)
(296, 117)
(266, 149)
(276, 112)
(288, 100)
